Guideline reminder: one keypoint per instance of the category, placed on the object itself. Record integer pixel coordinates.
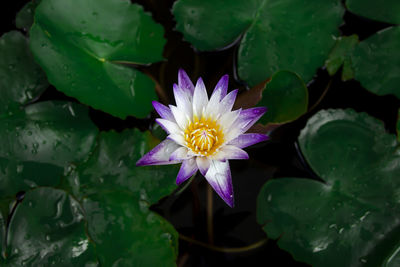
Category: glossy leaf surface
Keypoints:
(352, 217)
(112, 166)
(127, 233)
(39, 142)
(286, 98)
(341, 56)
(376, 62)
(80, 44)
(21, 79)
(386, 11)
(48, 229)
(398, 126)
(277, 35)
(116, 197)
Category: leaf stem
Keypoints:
(210, 222)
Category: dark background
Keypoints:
(276, 158)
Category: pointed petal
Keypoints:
(185, 83)
(222, 85)
(245, 120)
(180, 154)
(227, 102)
(180, 117)
(159, 155)
(177, 138)
(245, 140)
(169, 126)
(230, 152)
(220, 179)
(188, 169)
(182, 101)
(229, 118)
(203, 163)
(163, 111)
(200, 98)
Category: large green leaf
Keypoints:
(48, 229)
(286, 98)
(116, 196)
(386, 11)
(39, 142)
(352, 217)
(80, 43)
(277, 34)
(398, 126)
(21, 79)
(144, 238)
(112, 166)
(376, 62)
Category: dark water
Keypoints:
(277, 158)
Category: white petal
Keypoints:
(203, 163)
(160, 154)
(180, 154)
(200, 98)
(188, 169)
(220, 179)
(228, 119)
(227, 102)
(169, 126)
(178, 138)
(230, 152)
(182, 101)
(181, 117)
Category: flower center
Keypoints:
(203, 136)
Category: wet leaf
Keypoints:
(387, 11)
(24, 19)
(285, 96)
(144, 238)
(80, 45)
(112, 166)
(21, 79)
(39, 142)
(352, 217)
(48, 229)
(398, 126)
(341, 56)
(277, 35)
(376, 62)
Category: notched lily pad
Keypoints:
(21, 79)
(376, 62)
(277, 35)
(341, 56)
(39, 142)
(80, 45)
(350, 219)
(48, 229)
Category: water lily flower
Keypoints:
(204, 134)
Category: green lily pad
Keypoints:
(277, 35)
(112, 166)
(352, 217)
(341, 56)
(116, 196)
(48, 229)
(39, 142)
(21, 79)
(24, 19)
(285, 96)
(388, 11)
(144, 238)
(80, 44)
(376, 62)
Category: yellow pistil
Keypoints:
(203, 136)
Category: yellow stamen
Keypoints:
(203, 136)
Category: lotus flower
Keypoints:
(204, 134)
